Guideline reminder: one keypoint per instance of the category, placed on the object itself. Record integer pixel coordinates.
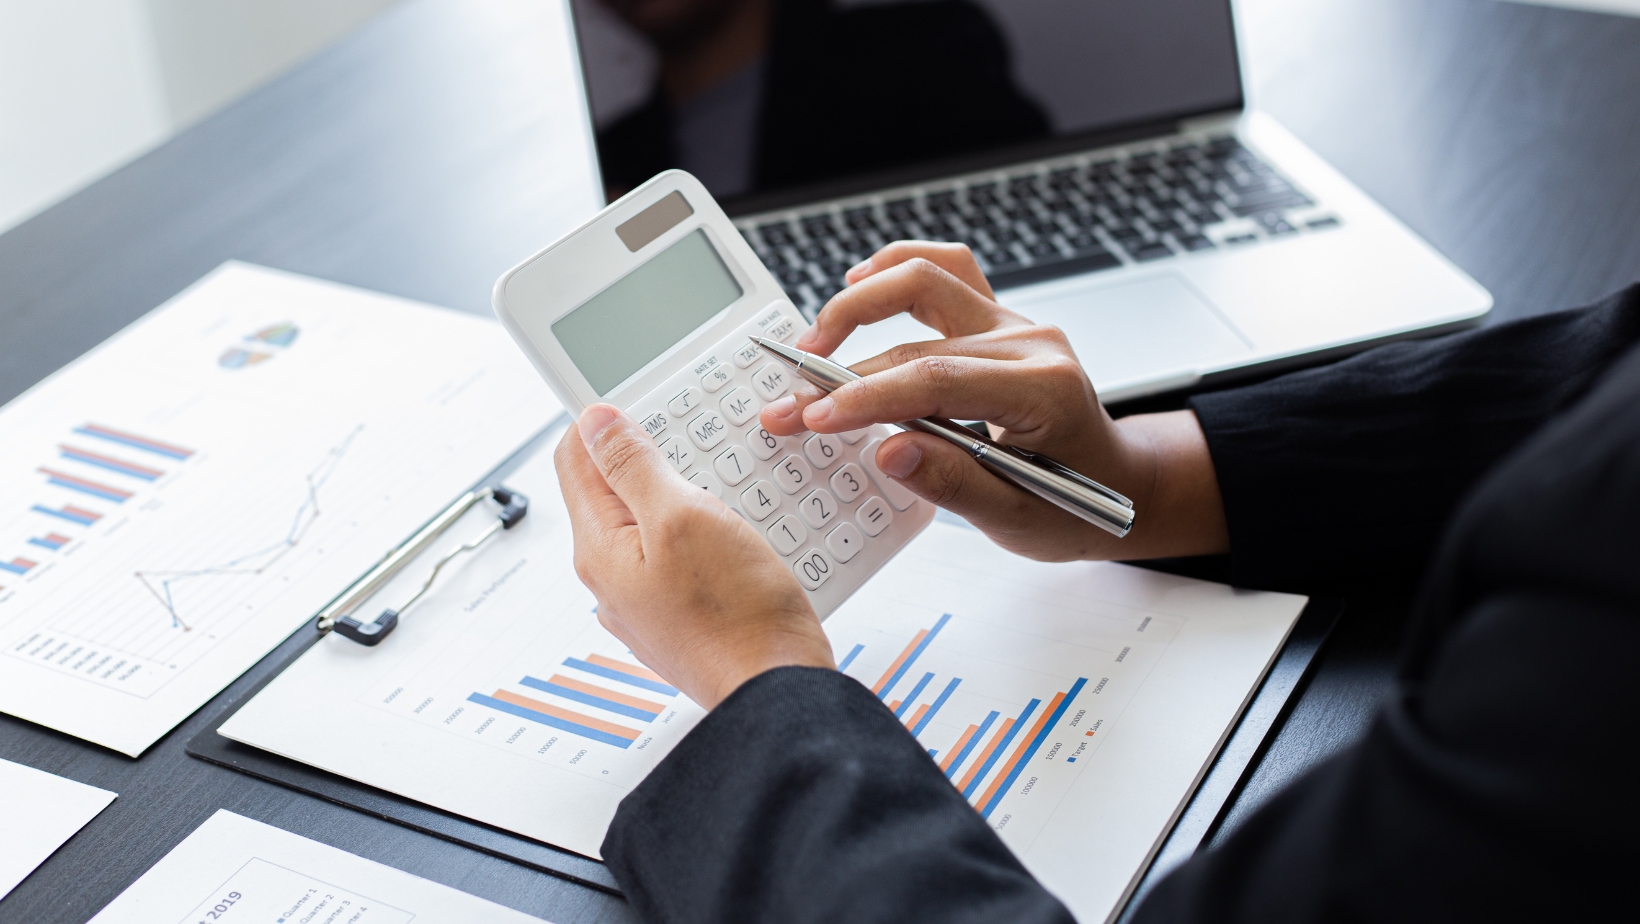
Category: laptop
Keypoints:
(1097, 156)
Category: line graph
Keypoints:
(161, 584)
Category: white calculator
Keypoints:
(648, 307)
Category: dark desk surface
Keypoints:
(418, 158)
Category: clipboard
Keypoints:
(1194, 826)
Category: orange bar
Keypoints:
(625, 668)
(957, 748)
(894, 706)
(985, 755)
(917, 716)
(1019, 751)
(591, 690)
(892, 668)
(621, 731)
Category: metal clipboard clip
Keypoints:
(339, 614)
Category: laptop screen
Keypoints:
(761, 97)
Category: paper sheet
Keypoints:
(177, 501)
(233, 870)
(1077, 705)
(41, 811)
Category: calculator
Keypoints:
(648, 307)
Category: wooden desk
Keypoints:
(418, 158)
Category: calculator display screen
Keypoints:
(618, 331)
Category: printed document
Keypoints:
(1075, 705)
(177, 501)
(233, 870)
(41, 811)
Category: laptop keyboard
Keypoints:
(1098, 213)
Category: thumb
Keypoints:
(628, 459)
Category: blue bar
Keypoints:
(123, 468)
(127, 441)
(915, 654)
(64, 515)
(14, 569)
(610, 673)
(46, 544)
(929, 715)
(552, 720)
(87, 489)
(996, 755)
(962, 755)
(906, 703)
(590, 700)
(851, 656)
(933, 753)
(1031, 751)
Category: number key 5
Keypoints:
(793, 474)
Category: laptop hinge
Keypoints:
(1211, 121)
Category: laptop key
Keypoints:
(1193, 241)
(1044, 250)
(1147, 252)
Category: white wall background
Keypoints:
(87, 85)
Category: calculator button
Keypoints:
(844, 541)
(734, 464)
(781, 329)
(898, 494)
(848, 483)
(819, 508)
(793, 474)
(678, 453)
(787, 534)
(854, 436)
(748, 354)
(874, 516)
(740, 405)
(765, 444)
(708, 430)
(760, 500)
(822, 449)
(770, 381)
(707, 481)
(812, 569)
(717, 378)
(684, 402)
(654, 425)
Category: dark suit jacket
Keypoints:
(1504, 463)
(837, 92)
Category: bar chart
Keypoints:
(598, 725)
(987, 757)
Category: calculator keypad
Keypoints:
(819, 499)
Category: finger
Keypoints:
(784, 416)
(948, 477)
(956, 259)
(931, 295)
(1008, 343)
(1018, 396)
(590, 501)
(630, 462)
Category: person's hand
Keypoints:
(686, 583)
(1022, 379)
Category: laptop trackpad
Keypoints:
(1131, 331)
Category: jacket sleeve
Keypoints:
(1496, 783)
(1353, 468)
(801, 798)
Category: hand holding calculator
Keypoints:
(648, 307)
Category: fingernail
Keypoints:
(899, 462)
(861, 267)
(782, 407)
(808, 338)
(819, 411)
(595, 420)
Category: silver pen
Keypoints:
(1036, 473)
